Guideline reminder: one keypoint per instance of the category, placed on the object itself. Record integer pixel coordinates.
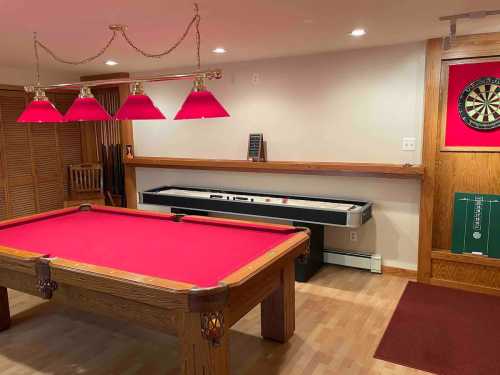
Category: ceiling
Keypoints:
(247, 29)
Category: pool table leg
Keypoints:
(278, 309)
(4, 309)
(198, 355)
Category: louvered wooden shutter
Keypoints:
(49, 177)
(3, 177)
(34, 158)
(69, 138)
(19, 170)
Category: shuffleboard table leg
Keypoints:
(199, 354)
(4, 309)
(278, 309)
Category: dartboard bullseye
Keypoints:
(479, 104)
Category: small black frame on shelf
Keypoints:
(256, 147)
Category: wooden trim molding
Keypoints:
(437, 266)
(465, 286)
(430, 144)
(401, 272)
(465, 271)
(291, 167)
(127, 135)
(465, 258)
(477, 45)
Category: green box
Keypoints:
(476, 224)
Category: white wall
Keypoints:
(346, 106)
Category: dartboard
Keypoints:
(479, 104)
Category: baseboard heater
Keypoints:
(372, 262)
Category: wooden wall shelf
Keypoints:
(291, 167)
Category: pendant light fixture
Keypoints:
(138, 106)
(40, 110)
(86, 108)
(200, 103)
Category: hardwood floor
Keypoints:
(341, 316)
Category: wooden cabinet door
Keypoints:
(19, 170)
(34, 158)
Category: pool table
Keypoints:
(190, 276)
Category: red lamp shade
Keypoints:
(139, 107)
(86, 109)
(201, 104)
(40, 111)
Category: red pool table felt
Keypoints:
(194, 250)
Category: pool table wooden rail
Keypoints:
(200, 317)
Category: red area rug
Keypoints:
(444, 331)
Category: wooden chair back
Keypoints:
(86, 178)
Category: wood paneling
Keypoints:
(4, 214)
(468, 172)
(467, 276)
(478, 45)
(33, 157)
(127, 138)
(19, 170)
(430, 144)
(44, 140)
(48, 171)
(22, 200)
(3, 202)
(480, 260)
(50, 195)
(451, 171)
(464, 171)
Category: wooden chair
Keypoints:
(85, 185)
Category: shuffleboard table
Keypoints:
(190, 276)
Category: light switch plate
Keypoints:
(409, 144)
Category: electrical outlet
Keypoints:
(353, 236)
(409, 144)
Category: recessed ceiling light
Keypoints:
(219, 50)
(111, 63)
(358, 32)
